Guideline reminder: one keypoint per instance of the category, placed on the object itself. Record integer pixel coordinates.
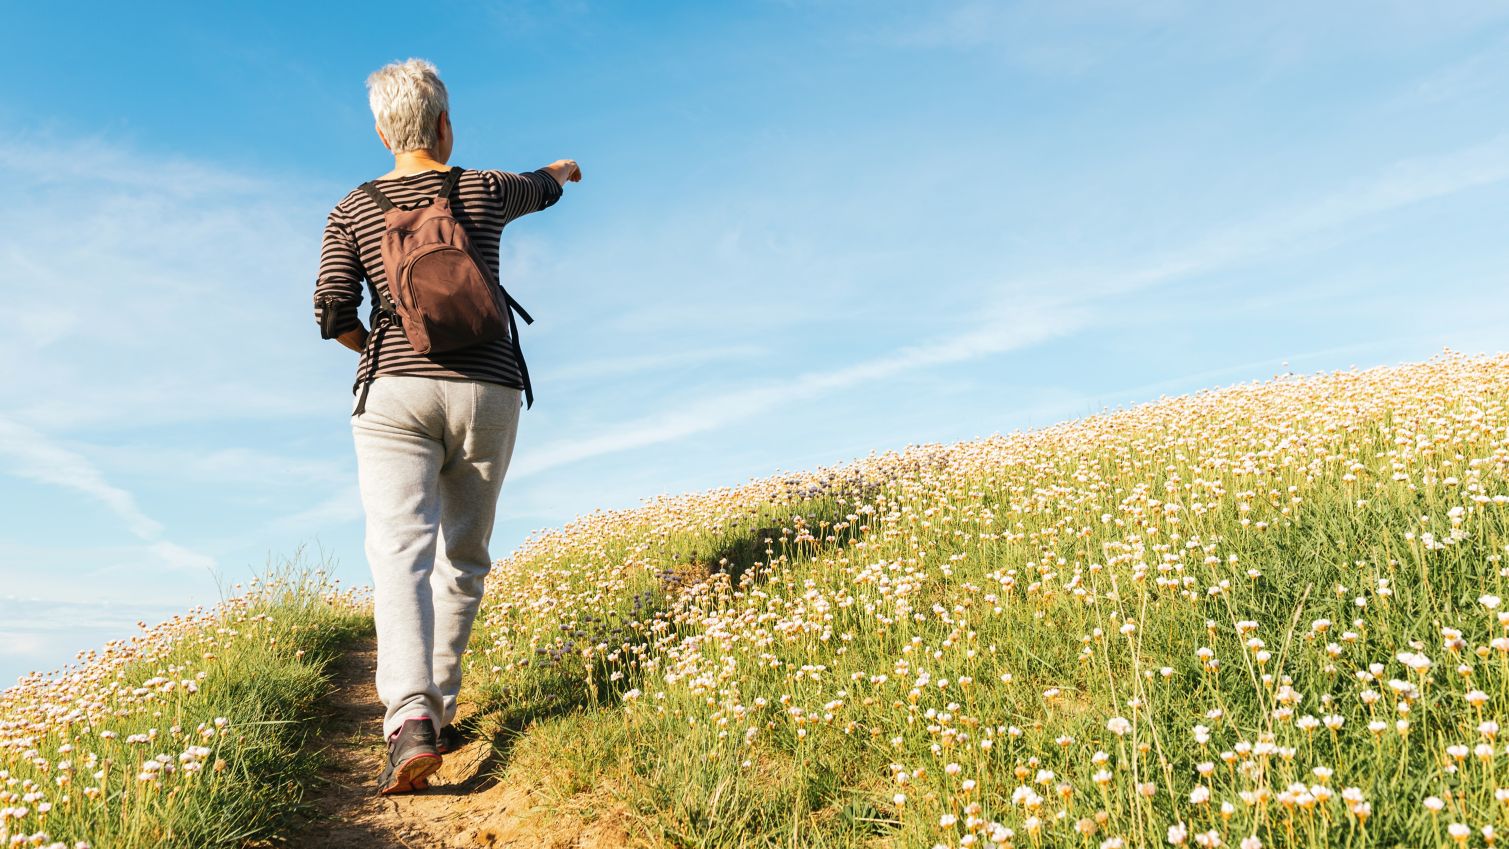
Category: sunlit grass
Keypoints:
(1263, 616)
(190, 734)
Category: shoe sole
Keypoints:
(412, 774)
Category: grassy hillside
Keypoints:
(1270, 615)
(1264, 616)
(187, 735)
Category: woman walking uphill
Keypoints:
(438, 391)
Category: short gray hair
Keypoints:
(406, 98)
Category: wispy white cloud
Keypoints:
(222, 466)
(176, 556)
(104, 162)
(1020, 326)
(1071, 301)
(182, 263)
(344, 505)
(30, 454)
(621, 366)
(116, 272)
(1476, 73)
(1293, 229)
(39, 633)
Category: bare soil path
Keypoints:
(465, 806)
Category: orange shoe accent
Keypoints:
(412, 775)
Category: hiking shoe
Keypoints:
(449, 740)
(411, 758)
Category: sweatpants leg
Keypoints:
(431, 454)
(478, 451)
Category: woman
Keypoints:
(434, 432)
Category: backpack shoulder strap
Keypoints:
(452, 177)
(377, 197)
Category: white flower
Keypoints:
(1414, 660)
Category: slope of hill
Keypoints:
(1269, 615)
(186, 735)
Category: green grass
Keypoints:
(257, 663)
(721, 690)
(1270, 615)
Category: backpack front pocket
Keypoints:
(451, 299)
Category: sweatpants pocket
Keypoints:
(495, 406)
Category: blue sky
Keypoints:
(806, 231)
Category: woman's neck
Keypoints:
(414, 162)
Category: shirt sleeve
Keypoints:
(521, 194)
(338, 288)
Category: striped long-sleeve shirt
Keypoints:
(483, 202)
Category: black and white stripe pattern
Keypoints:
(484, 201)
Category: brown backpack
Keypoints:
(443, 294)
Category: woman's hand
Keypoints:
(356, 339)
(565, 171)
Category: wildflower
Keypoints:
(1414, 660)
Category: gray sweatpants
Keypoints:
(430, 457)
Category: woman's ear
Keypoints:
(381, 136)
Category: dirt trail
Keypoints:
(465, 806)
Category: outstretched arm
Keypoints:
(532, 191)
